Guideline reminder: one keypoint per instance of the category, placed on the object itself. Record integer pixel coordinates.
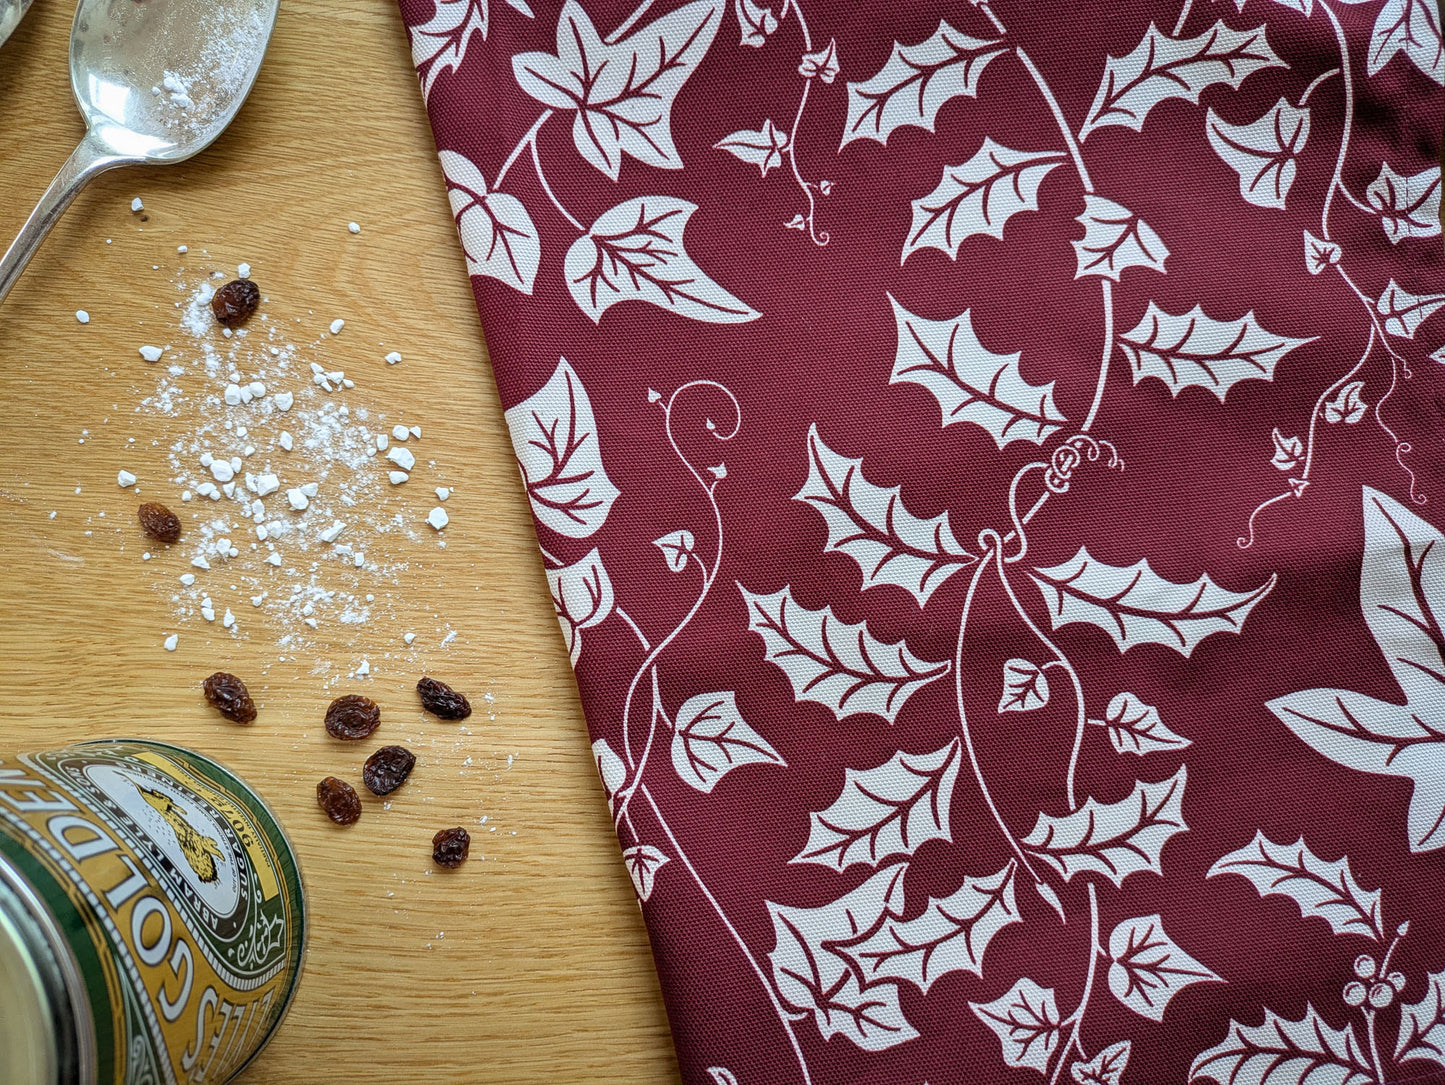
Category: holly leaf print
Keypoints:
(915, 83)
(1026, 1022)
(1135, 727)
(621, 92)
(721, 1075)
(1411, 27)
(1113, 839)
(1408, 206)
(836, 664)
(676, 548)
(1161, 67)
(762, 148)
(554, 437)
(712, 738)
(1348, 405)
(582, 597)
(1114, 239)
(1135, 605)
(1403, 311)
(1262, 152)
(1422, 1025)
(1323, 889)
(1288, 451)
(893, 809)
(970, 382)
(1147, 968)
(873, 527)
(1025, 687)
(1195, 350)
(979, 197)
(643, 862)
(951, 934)
(821, 65)
(634, 252)
(440, 43)
(498, 238)
(1320, 254)
(609, 766)
(1282, 1052)
(1105, 1068)
(1402, 594)
(756, 23)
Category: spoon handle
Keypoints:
(88, 159)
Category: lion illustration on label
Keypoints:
(200, 850)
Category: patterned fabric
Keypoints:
(987, 462)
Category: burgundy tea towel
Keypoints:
(989, 463)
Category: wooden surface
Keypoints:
(543, 972)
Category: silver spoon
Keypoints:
(11, 12)
(157, 81)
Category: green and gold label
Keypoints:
(178, 893)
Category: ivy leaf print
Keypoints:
(1114, 239)
(970, 382)
(1113, 839)
(440, 43)
(1288, 451)
(893, 809)
(979, 197)
(1408, 206)
(609, 767)
(1195, 350)
(582, 597)
(1025, 687)
(1105, 1068)
(873, 527)
(756, 23)
(622, 92)
(1263, 152)
(1320, 254)
(634, 252)
(1147, 968)
(1403, 311)
(1411, 27)
(821, 65)
(1282, 1052)
(836, 664)
(712, 739)
(951, 934)
(721, 1075)
(762, 148)
(498, 237)
(554, 437)
(915, 83)
(1348, 406)
(643, 862)
(1161, 67)
(1137, 728)
(1422, 1025)
(1321, 888)
(1026, 1022)
(1402, 594)
(676, 548)
(1135, 605)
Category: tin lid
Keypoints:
(28, 1053)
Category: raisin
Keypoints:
(352, 717)
(339, 800)
(450, 846)
(229, 696)
(442, 701)
(159, 522)
(387, 769)
(236, 301)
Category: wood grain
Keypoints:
(543, 972)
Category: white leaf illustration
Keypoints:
(1403, 311)
(762, 148)
(1411, 27)
(1408, 206)
(1320, 254)
(1135, 727)
(440, 43)
(582, 597)
(835, 663)
(979, 197)
(677, 548)
(498, 237)
(871, 525)
(971, 382)
(1025, 686)
(1135, 605)
(609, 767)
(915, 83)
(821, 64)
(1147, 968)
(634, 252)
(1105, 1068)
(1348, 406)
(889, 810)
(622, 92)
(757, 24)
(643, 863)
(721, 1075)
(952, 934)
(1320, 887)
(712, 739)
(1288, 451)
(1281, 1052)
(811, 977)
(1195, 349)
(1422, 1025)
(1304, 7)
(1262, 152)
(1161, 67)
(1115, 238)
(1026, 1022)
(1402, 594)
(1113, 839)
(554, 436)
